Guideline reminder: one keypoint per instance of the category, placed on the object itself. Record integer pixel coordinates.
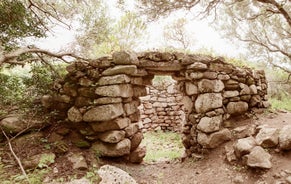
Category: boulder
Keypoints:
(113, 175)
(244, 146)
(131, 129)
(208, 101)
(111, 150)
(13, 125)
(210, 86)
(197, 66)
(137, 155)
(285, 138)
(259, 158)
(124, 58)
(112, 136)
(74, 115)
(136, 140)
(209, 125)
(236, 108)
(116, 124)
(115, 79)
(103, 113)
(78, 161)
(268, 137)
(121, 90)
(215, 139)
(121, 69)
(191, 89)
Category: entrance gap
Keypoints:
(162, 119)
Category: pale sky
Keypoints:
(204, 35)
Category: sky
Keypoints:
(205, 36)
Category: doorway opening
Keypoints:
(162, 119)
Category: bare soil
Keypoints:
(212, 168)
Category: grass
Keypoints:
(283, 103)
(162, 146)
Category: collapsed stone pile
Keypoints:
(162, 108)
(100, 98)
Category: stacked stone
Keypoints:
(216, 91)
(162, 109)
(101, 99)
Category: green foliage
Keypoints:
(282, 103)
(17, 22)
(162, 146)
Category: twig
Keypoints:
(15, 156)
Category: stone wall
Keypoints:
(162, 108)
(100, 99)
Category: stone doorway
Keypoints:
(102, 98)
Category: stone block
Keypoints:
(191, 89)
(208, 101)
(116, 124)
(125, 58)
(107, 100)
(115, 79)
(74, 115)
(112, 136)
(103, 113)
(121, 69)
(209, 125)
(210, 86)
(215, 139)
(236, 108)
(111, 150)
(121, 90)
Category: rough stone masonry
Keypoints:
(100, 99)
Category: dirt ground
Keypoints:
(213, 168)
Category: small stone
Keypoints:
(74, 115)
(78, 161)
(259, 158)
(268, 137)
(137, 155)
(113, 136)
(285, 138)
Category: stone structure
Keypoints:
(100, 98)
(162, 108)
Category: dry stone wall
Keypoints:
(100, 99)
(162, 108)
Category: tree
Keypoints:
(176, 34)
(264, 25)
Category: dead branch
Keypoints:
(11, 57)
(15, 156)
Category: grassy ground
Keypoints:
(283, 103)
(162, 146)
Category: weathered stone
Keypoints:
(194, 75)
(83, 101)
(197, 66)
(136, 140)
(131, 107)
(268, 137)
(215, 139)
(78, 161)
(103, 113)
(253, 89)
(131, 129)
(229, 152)
(259, 158)
(115, 79)
(245, 89)
(116, 124)
(139, 91)
(124, 58)
(209, 125)
(237, 107)
(210, 75)
(85, 82)
(245, 98)
(244, 131)
(285, 138)
(62, 98)
(112, 150)
(121, 90)
(137, 155)
(191, 89)
(121, 69)
(113, 175)
(161, 66)
(256, 99)
(208, 101)
(188, 104)
(220, 67)
(244, 146)
(210, 86)
(107, 100)
(87, 92)
(223, 77)
(112, 136)
(13, 125)
(74, 115)
(229, 94)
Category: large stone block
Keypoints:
(215, 139)
(112, 150)
(210, 86)
(208, 101)
(115, 79)
(122, 90)
(113, 136)
(124, 58)
(103, 113)
(237, 107)
(116, 124)
(121, 69)
(131, 107)
(209, 125)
